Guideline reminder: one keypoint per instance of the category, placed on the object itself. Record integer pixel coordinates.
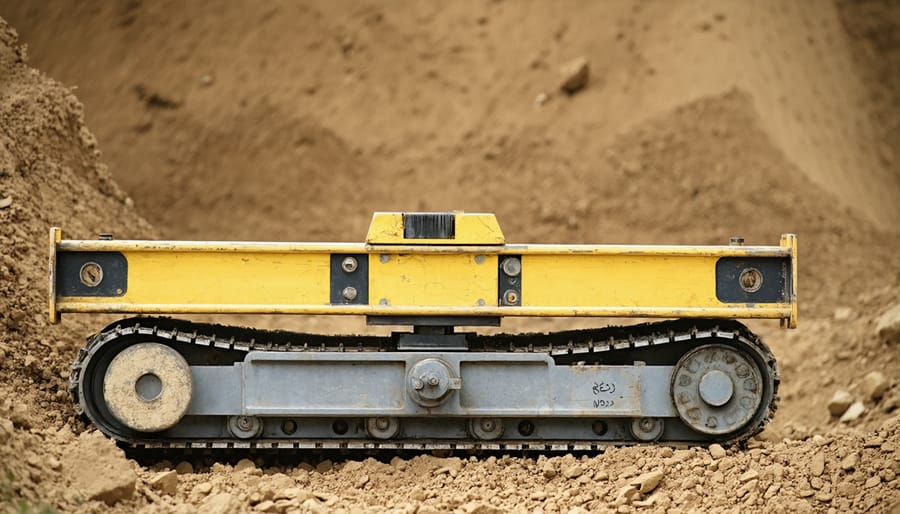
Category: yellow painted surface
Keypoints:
(225, 278)
(628, 281)
(471, 229)
(433, 279)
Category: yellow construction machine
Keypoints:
(157, 382)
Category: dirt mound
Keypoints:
(50, 174)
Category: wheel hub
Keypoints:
(717, 389)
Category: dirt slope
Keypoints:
(293, 121)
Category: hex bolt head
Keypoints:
(349, 264)
(433, 380)
(349, 293)
(511, 297)
(418, 385)
(512, 266)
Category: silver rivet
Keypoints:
(384, 257)
(349, 264)
(349, 293)
(480, 302)
(512, 266)
(384, 301)
(479, 259)
(511, 297)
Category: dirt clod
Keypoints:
(874, 385)
(840, 401)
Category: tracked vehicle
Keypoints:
(156, 382)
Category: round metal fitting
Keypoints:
(430, 382)
(349, 293)
(288, 427)
(751, 279)
(647, 429)
(510, 297)
(245, 427)
(349, 264)
(147, 387)
(486, 429)
(599, 427)
(383, 428)
(512, 266)
(526, 427)
(91, 274)
(716, 389)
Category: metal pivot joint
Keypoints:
(431, 381)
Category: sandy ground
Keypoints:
(295, 120)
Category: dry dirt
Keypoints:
(295, 120)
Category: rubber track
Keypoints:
(605, 345)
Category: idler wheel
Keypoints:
(717, 389)
(148, 387)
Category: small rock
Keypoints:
(874, 385)
(817, 464)
(840, 402)
(6, 429)
(363, 480)
(626, 495)
(749, 475)
(648, 481)
(549, 470)
(265, 506)
(541, 99)
(314, 507)
(538, 495)
(5, 202)
(221, 503)
(575, 75)
(206, 80)
(324, 466)
(184, 467)
(480, 508)
(202, 489)
(843, 313)
(165, 482)
(850, 461)
(853, 412)
(244, 465)
(574, 471)
(888, 326)
(716, 451)
(872, 482)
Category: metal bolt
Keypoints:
(382, 423)
(418, 385)
(349, 264)
(751, 280)
(512, 266)
(479, 259)
(480, 302)
(244, 423)
(511, 297)
(384, 257)
(349, 293)
(736, 241)
(432, 380)
(91, 274)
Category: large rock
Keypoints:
(99, 469)
(874, 385)
(648, 481)
(575, 75)
(853, 412)
(840, 402)
(888, 326)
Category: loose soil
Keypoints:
(294, 121)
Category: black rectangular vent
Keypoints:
(429, 225)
